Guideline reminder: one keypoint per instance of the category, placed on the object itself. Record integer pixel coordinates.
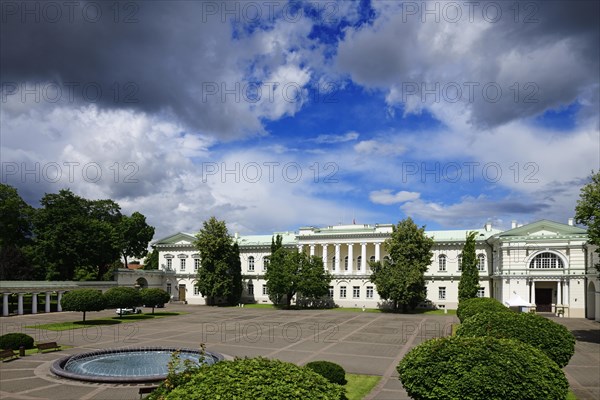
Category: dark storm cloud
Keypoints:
(154, 56)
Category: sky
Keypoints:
(273, 115)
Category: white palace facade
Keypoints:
(545, 264)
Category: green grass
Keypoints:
(358, 386)
(571, 396)
(63, 326)
(33, 351)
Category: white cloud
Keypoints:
(387, 197)
(376, 147)
(347, 137)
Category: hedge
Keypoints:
(15, 340)
(470, 307)
(475, 368)
(550, 337)
(333, 372)
(252, 379)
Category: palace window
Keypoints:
(182, 264)
(355, 292)
(169, 288)
(346, 263)
(481, 262)
(266, 261)
(460, 262)
(333, 262)
(196, 291)
(442, 262)
(196, 264)
(342, 292)
(251, 289)
(442, 293)
(359, 261)
(546, 260)
(369, 292)
(265, 290)
(372, 259)
(481, 292)
(330, 294)
(169, 264)
(251, 263)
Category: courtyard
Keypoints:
(362, 342)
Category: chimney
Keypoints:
(570, 222)
(513, 224)
(488, 226)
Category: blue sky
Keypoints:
(275, 115)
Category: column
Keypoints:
(363, 258)
(532, 293)
(566, 300)
(559, 299)
(47, 302)
(59, 307)
(350, 259)
(377, 252)
(34, 303)
(5, 304)
(312, 250)
(20, 303)
(337, 259)
(325, 262)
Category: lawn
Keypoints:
(358, 386)
(63, 326)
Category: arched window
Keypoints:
(481, 262)
(546, 260)
(359, 261)
(333, 262)
(251, 263)
(266, 262)
(346, 263)
(442, 262)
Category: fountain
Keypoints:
(127, 365)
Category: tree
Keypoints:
(469, 278)
(154, 297)
(401, 279)
(122, 297)
(219, 275)
(134, 236)
(291, 272)
(151, 260)
(83, 300)
(15, 235)
(587, 211)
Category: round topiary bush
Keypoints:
(251, 379)
(475, 368)
(553, 339)
(13, 341)
(333, 372)
(470, 307)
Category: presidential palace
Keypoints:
(545, 265)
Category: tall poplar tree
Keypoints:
(469, 278)
(587, 211)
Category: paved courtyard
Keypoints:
(365, 343)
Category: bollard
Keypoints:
(21, 351)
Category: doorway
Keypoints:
(543, 299)
(181, 292)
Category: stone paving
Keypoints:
(362, 342)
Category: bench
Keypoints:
(6, 355)
(146, 390)
(47, 346)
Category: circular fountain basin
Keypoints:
(127, 365)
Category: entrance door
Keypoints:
(543, 300)
(181, 292)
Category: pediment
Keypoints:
(544, 228)
(180, 238)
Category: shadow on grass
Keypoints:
(97, 322)
(163, 313)
(134, 317)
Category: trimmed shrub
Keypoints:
(154, 297)
(333, 372)
(251, 379)
(475, 368)
(13, 341)
(122, 297)
(553, 339)
(470, 307)
(83, 300)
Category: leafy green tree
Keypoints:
(15, 234)
(154, 297)
(587, 211)
(469, 278)
(122, 297)
(83, 300)
(401, 279)
(151, 260)
(219, 275)
(276, 243)
(134, 236)
(291, 272)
